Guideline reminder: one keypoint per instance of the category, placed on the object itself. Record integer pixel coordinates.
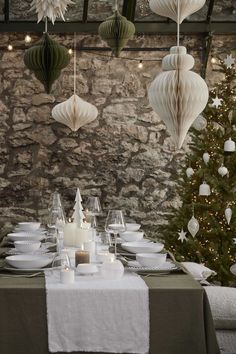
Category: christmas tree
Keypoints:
(78, 215)
(203, 229)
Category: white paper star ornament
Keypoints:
(229, 61)
(182, 236)
(217, 102)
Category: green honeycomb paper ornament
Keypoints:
(116, 30)
(46, 59)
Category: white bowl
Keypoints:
(151, 259)
(132, 227)
(25, 236)
(29, 226)
(27, 261)
(87, 268)
(142, 247)
(27, 246)
(132, 236)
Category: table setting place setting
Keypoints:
(94, 281)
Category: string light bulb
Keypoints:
(10, 47)
(28, 39)
(70, 51)
(140, 64)
(213, 60)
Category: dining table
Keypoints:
(180, 316)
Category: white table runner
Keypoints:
(98, 315)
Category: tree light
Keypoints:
(28, 39)
(70, 51)
(213, 60)
(140, 65)
(10, 47)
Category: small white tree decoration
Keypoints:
(78, 215)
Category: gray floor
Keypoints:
(227, 341)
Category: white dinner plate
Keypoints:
(136, 266)
(29, 270)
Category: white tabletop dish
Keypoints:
(151, 259)
(29, 226)
(136, 266)
(86, 269)
(27, 246)
(132, 236)
(25, 237)
(28, 261)
(132, 226)
(142, 247)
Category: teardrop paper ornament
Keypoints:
(178, 95)
(50, 8)
(200, 123)
(169, 8)
(189, 172)
(74, 112)
(193, 226)
(228, 215)
(204, 189)
(223, 170)
(206, 157)
(116, 30)
(46, 59)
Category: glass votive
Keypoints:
(67, 276)
(105, 256)
(81, 257)
(112, 270)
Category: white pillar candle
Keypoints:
(69, 234)
(67, 276)
(82, 236)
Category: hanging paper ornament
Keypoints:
(168, 8)
(74, 112)
(204, 189)
(189, 172)
(116, 30)
(229, 61)
(50, 8)
(200, 123)
(182, 236)
(206, 157)
(193, 226)
(217, 102)
(46, 59)
(178, 95)
(223, 170)
(228, 215)
(229, 145)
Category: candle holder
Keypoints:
(67, 275)
(81, 257)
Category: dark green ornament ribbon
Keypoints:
(46, 59)
(116, 30)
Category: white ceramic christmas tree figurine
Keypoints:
(78, 215)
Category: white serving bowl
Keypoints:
(132, 226)
(142, 247)
(29, 226)
(132, 236)
(28, 261)
(25, 236)
(27, 246)
(151, 259)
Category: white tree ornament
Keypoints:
(169, 8)
(229, 145)
(193, 226)
(206, 157)
(182, 236)
(78, 215)
(223, 171)
(217, 102)
(228, 215)
(200, 123)
(189, 172)
(204, 189)
(178, 95)
(50, 8)
(74, 112)
(229, 61)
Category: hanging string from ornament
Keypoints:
(178, 95)
(50, 8)
(193, 224)
(75, 112)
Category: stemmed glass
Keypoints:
(115, 224)
(92, 209)
(56, 219)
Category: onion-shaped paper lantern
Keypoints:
(74, 112)
(116, 30)
(178, 95)
(46, 59)
(169, 8)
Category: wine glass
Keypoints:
(56, 217)
(92, 209)
(61, 260)
(115, 224)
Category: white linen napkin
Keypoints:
(98, 315)
(198, 271)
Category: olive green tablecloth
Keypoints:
(180, 317)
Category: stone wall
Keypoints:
(125, 157)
